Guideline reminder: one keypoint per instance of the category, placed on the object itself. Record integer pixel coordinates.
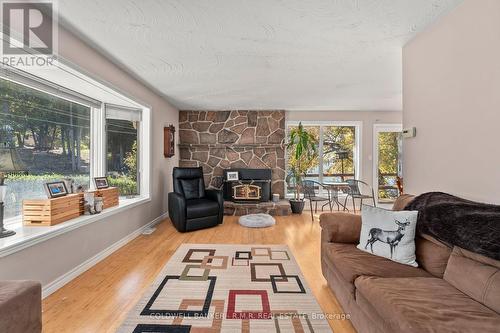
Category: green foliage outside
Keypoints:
(389, 163)
(388, 152)
(38, 121)
(338, 139)
(126, 185)
(79, 179)
(131, 160)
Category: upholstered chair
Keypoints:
(191, 206)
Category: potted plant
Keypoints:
(303, 154)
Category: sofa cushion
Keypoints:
(432, 255)
(201, 208)
(475, 275)
(371, 314)
(352, 263)
(425, 305)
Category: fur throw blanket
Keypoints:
(470, 225)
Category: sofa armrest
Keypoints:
(20, 306)
(340, 228)
(177, 210)
(216, 195)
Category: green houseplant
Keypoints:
(303, 155)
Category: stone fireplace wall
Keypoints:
(218, 140)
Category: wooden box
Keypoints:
(47, 212)
(109, 195)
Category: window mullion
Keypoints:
(320, 158)
(98, 146)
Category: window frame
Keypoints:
(140, 132)
(97, 154)
(358, 130)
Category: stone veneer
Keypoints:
(218, 140)
(281, 208)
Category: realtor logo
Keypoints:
(29, 32)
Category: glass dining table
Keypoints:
(335, 188)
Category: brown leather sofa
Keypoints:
(452, 290)
(20, 307)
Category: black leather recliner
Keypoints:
(191, 206)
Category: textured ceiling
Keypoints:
(260, 54)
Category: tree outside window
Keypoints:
(43, 138)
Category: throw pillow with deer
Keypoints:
(389, 234)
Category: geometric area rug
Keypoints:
(209, 288)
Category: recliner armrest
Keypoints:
(216, 195)
(340, 228)
(177, 210)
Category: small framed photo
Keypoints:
(101, 182)
(232, 176)
(56, 189)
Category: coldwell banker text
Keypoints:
(29, 33)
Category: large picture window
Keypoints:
(43, 138)
(49, 133)
(338, 152)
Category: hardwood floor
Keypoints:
(99, 299)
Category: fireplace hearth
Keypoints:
(253, 185)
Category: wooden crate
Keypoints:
(109, 195)
(47, 212)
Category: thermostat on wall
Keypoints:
(410, 132)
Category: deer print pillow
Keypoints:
(389, 234)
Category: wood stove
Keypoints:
(253, 185)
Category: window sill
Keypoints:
(27, 236)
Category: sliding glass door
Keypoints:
(338, 152)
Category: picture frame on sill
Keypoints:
(233, 176)
(56, 189)
(101, 183)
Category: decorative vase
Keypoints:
(3, 232)
(70, 185)
(89, 205)
(99, 204)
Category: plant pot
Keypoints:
(297, 206)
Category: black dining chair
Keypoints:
(358, 190)
(311, 188)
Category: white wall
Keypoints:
(368, 119)
(47, 261)
(451, 81)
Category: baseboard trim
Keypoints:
(68, 276)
